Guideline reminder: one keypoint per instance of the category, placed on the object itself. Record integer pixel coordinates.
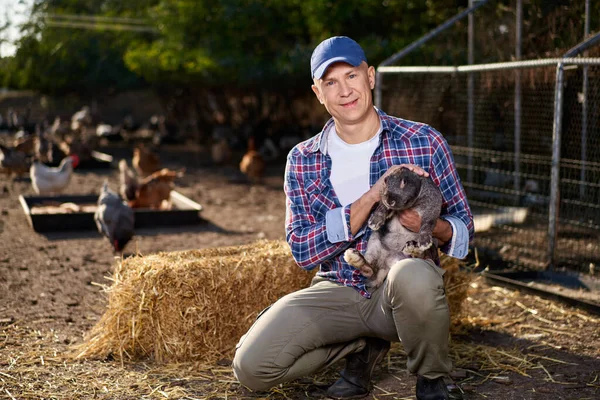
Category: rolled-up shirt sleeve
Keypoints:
(337, 230)
(458, 246)
(338, 225)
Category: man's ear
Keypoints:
(317, 93)
(371, 74)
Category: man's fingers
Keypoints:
(415, 168)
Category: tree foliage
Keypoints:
(259, 46)
(245, 43)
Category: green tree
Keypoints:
(248, 58)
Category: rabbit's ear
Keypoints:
(379, 216)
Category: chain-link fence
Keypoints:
(506, 163)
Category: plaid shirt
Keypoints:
(313, 215)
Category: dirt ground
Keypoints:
(508, 345)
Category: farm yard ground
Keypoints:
(507, 345)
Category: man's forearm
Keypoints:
(442, 230)
(360, 211)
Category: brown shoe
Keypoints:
(356, 377)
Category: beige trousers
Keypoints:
(315, 327)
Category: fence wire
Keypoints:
(507, 176)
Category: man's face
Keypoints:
(345, 91)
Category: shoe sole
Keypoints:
(360, 396)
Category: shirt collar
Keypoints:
(320, 141)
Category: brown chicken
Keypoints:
(155, 189)
(253, 164)
(145, 161)
(25, 144)
(13, 161)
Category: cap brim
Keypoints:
(319, 72)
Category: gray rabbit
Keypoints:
(390, 241)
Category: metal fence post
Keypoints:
(517, 156)
(554, 206)
(584, 106)
(470, 96)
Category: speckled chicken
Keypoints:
(114, 218)
(128, 183)
(43, 148)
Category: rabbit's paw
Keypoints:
(416, 249)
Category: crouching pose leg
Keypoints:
(313, 328)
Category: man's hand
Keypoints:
(410, 219)
(375, 191)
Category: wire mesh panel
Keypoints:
(506, 170)
(578, 243)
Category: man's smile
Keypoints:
(351, 104)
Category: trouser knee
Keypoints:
(417, 285)
(248, 372)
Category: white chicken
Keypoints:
(81, 119)
(48, 180)
(114, 218)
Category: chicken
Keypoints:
(48, 180)
(145, 161)
(81, 119)
(252, 164)
(114, 218)
(220, 151)
(59, 129)
(13, 161)
(25, 144)
(128, 181)
(153, 190)
(76, 145)
(43, 148)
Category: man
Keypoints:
(332, 183)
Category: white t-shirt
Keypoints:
(350, 166)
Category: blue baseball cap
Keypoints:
(335, 49)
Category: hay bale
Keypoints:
(194, 305)
(456, 281)
(191, 305)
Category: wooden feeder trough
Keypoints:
(76, 213)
